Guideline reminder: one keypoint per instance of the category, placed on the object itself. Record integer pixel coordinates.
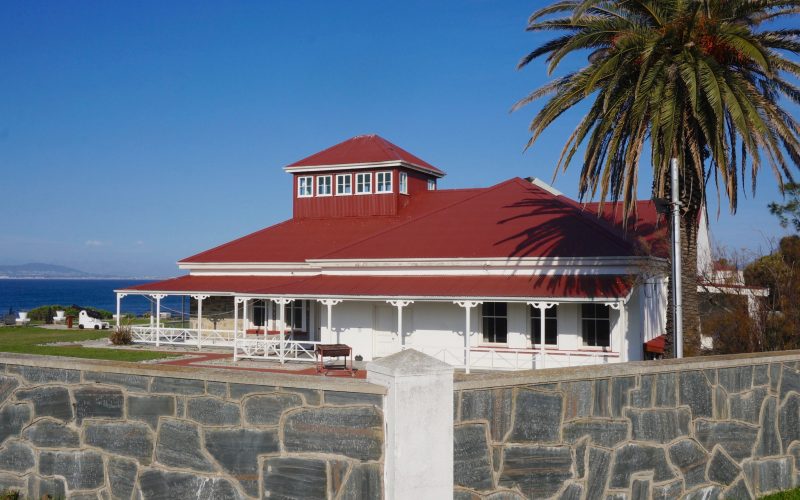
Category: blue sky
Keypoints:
(134, 134)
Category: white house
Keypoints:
(378, 257)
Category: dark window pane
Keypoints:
(259, 313)
(550, 331)
(603, 333)
(588, 332)
(501, 330)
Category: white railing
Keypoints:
(182, 336)
(490, 358)
(288, 350)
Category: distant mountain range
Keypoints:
(39, 270)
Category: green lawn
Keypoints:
(27, 340)
(784, 495)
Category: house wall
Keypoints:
(433, 327)
(97, 429)
(709, 427)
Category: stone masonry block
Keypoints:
(159, 484)
(267, 409)
(538, 471)
(98, 402)
(16, 456)
(695, 392)
(213, 411)
(355, 432)
(601, 432)
(691, 459)
(83, 470)
(746, 406)
(537, 417)
(148, 408)
(50, 434)
(237, 451)
(633, 458)
(48, 401)
(182, 386)
(178, 445)
(12, 419)
(129, 439)
(493, 405)
(736, 379)
(721, 468)
(40, 375)
(134, 383)
(659, 425)
(121, 476)
(737, 439)
(472, 467)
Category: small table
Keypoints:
(322, 351)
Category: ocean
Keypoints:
(24, 295)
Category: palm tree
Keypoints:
(698, 80)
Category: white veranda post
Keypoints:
(467, 305)
(236, 302)
(158, 298)
(542, 307)
(622, 326)
(119, 304)
(200, 299)
(400, 304)
(281, 302)
(329, 303)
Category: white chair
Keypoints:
(23, 318)
(60, 317)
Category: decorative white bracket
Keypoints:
(158, 296)
(122, 295)
(543, 305)
(199, 297)
(282, 301)
(400, 303)
(617, 306)
(467, 304)
(329, 302)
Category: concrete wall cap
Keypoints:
(408, 363)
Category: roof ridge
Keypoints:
(481, 192)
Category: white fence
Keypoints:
(188, 337)
(491, 358)
(267, 348)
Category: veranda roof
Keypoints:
(600, 288)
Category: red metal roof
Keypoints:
(512, 219)
(647, 227)
(363, 149)
(589, 287)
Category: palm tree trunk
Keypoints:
(691, 204)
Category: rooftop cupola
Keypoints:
(363, 176)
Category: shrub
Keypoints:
(121, 335)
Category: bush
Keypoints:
(45, 313)
(121, 336)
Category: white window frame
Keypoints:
(378, 183)
(596, 319)
(364, 175)
(402, 183)
(431, 185)
(330, 185)
(349, 178)
(496, 318)
(550, 314)
(305, 182)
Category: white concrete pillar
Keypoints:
(199, 299)
(158, 298)
(418, 406)
(327, 338)
(467, 305)
(542, 306)
(400, 304)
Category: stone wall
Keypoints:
(717, 427)
(95, 429)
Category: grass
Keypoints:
(784, 495)
(28, 340)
